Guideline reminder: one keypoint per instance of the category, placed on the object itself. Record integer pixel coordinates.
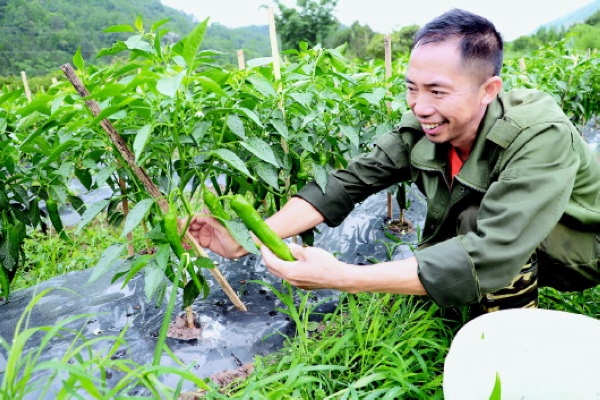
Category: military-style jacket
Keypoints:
(529, 168)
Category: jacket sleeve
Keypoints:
(517, 212)
(386, 164)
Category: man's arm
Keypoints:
(295, 217)
(317, 269)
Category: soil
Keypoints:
(179, 328)
(400, 227)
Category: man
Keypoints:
(512, 189)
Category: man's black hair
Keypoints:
(479, 40)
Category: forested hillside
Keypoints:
(38, 36)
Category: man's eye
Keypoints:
(437, 93)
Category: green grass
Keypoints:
(47, 255)
(372, 346)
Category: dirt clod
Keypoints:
(178, 329)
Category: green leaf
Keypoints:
(268, 174)
(241, 234)
(204, 262)
(136, 215)
(261, 150)
(105, 173)
(137, 42)
(108, 91)
(497, 391)
(351, 133)
(192, 44)
(169, 86)
(236, 125)
(210, 85)
(375, 97)
(78, 60)
(190, 293)
(263, 85)
(38, 104)
(109, 256)
(251, 115)
(141, 139)
(4, 200)
(155, 282)
(320, 177)
(233, 160)
(139, 262)
(158, 24)
(280, 127)
(91, 213)
(119, 28)
(10, 244)
(4, 283)
(162, 255)
(84, 177)
(139, 23)
(303, 98)
(77, 203)
(58, 151)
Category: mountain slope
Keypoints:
(574, 17)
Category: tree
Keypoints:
(525, 44)
(312, 21)
(593, 19)
(401, 42)
(585, 37)
(356, 37)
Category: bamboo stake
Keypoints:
(241, 61)
(26, 86)
(145, 179)
(387, 46)
(274, 44)
(277, 74)
(125, 203)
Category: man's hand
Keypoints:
(211, 234)
(314, 268)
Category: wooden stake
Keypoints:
(241, 61)
(274, 44)
(125, 203)
(26, 86)
(387, 46)
(277, 75)
(145, 179)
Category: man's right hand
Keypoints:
(211, 234)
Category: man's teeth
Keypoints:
(430, 126)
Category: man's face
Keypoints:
(447, 98)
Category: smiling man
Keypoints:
(512, 189)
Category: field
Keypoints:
(193, 127)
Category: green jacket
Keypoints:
(529, 169)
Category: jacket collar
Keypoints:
(475, 173)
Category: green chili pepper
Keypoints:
(4, 282)
(213, 204)
(172, 233)
(54, 216)
(252, 219)
(171, 225)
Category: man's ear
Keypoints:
(491, 87)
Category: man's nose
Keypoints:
(421, 106)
